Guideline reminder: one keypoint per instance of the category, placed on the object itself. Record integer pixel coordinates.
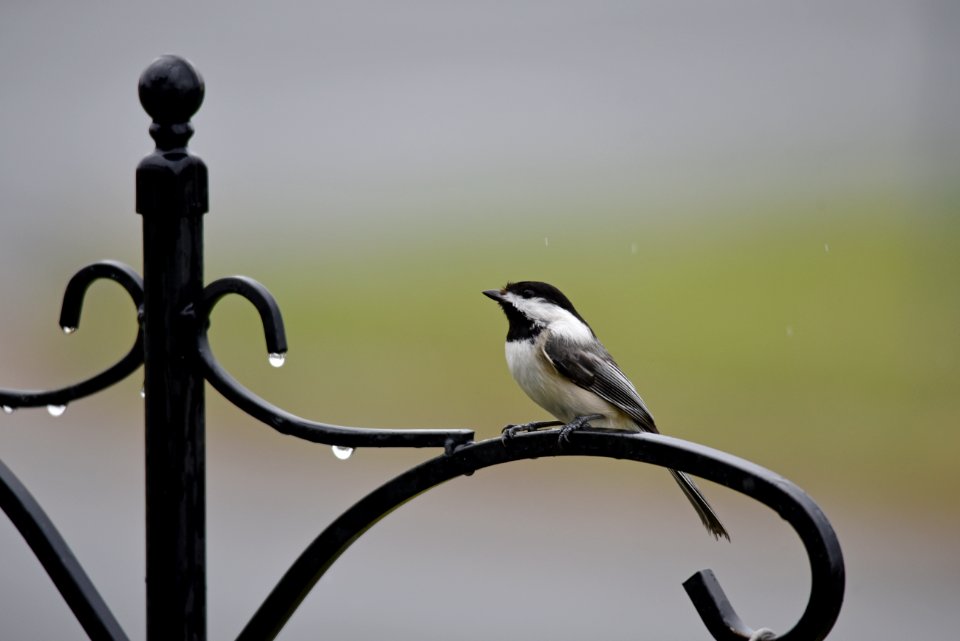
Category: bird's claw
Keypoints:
(566, 429)
(510, 431)
(576, 424)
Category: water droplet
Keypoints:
(826, 248)
(7, 409)
(68, 330)
(789, 331)
(277, 359)
(546, 241)
(633, 248)
(342, 453)
(143, 391)
(56, 410)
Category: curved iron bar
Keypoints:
(260, 297)
(279, 419)
(789, 501)
(57, 559)
(70, 320)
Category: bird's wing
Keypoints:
(595, 370)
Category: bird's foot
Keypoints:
(578, 423)
(511, 431)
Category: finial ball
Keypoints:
(171, 90)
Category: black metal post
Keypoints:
(172, 198)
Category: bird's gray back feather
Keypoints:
(592, 368)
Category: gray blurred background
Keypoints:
(753, 203)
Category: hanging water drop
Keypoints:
(7, 409)
(56, 410)
(277, 359)
(68, 330)
(342, 453)
(143, 391)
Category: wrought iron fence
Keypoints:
(172, 313)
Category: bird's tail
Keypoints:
(704, 511)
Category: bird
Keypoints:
(555, 357)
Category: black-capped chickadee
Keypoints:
(558, 361)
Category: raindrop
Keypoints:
(633, 248)
(546, 241)
(277, 359)
(143, 391)
(342, 453)
(56, 410)
(789, 331)
(68, 330)
(7, 409)
(826, 248)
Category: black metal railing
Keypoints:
(173, 308)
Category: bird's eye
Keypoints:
(529, 293)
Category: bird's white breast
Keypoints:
(553, 392)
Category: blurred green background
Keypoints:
(754, 206)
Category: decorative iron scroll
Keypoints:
(785, 498)
(281, 420)
(10, 400)
(56, 558)
(173, 314)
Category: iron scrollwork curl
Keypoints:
(70, 320)
(785, 498)
(282, 420)
(57, 559)
(16, 501)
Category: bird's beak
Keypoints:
(494, 294)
